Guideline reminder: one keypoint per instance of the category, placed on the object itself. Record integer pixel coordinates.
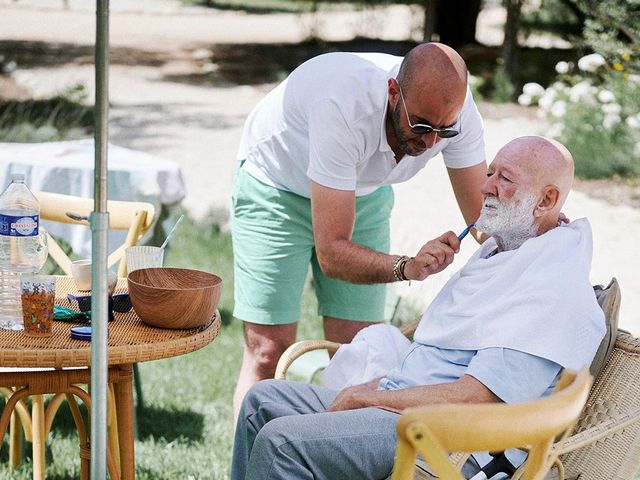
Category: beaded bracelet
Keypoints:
(398, 268)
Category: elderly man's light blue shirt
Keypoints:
(511, 375)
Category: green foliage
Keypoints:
(557, 16)
(594, 106)
(594, 111)
(61, 117)
(605, 145)
(612, 29)
(599, 153)
(503, 90)
(475, 85)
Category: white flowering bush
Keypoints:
(594, 109)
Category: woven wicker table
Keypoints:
(63, 364)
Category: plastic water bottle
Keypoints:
(20, 247)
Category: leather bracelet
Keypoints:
(403, 264)
(398, 268)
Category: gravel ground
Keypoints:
(168, 100)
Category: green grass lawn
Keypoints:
(185, 428)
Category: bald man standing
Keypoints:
(500, 330)
(316, 159)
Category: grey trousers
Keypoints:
(284, 432)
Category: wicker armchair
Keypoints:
(605, 444)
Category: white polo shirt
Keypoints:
(326, 123)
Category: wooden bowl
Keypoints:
(174, 297)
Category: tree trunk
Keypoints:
(453, 20)
(510, 45)
(430, 14)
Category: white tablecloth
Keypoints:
(68, 167)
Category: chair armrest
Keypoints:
(299, 348)
(409, 328)
(601, 430)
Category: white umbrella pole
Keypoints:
(99, 224)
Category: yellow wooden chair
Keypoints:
(435, 431)
(134, 217)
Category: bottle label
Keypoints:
(19, 225)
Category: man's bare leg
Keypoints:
(342, 331)
(264, 344)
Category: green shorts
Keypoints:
(273, 246)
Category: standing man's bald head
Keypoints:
(434, 69)
(430, 89)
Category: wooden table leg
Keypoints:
(39, 436)
(124, 411)
(15, 441)
(112, 428)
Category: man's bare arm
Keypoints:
(333, 213)
(466, 389)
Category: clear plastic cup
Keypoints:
(38, 293)
(144, 257)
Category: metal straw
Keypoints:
(166, 240)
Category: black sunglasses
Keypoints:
(120, 303)
(425, 128)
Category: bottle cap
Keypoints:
(17, 177)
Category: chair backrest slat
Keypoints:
(135, 217)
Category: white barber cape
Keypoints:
(536, 299)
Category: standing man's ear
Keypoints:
(394, 90)
(548, 201)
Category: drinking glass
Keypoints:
(143, 256)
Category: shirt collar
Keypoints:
(491, 253)
(384, 143)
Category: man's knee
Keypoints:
(274, 451)
(265, 358)
(262, 402)
(265, 345)
(264, 390)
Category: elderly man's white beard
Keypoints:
(511, 224)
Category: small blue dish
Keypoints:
(82, 333)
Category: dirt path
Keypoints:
(168, 99)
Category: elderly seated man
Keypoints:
(500, 330)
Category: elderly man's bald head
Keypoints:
(434, 69)
(527, 184)
(547, 161)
